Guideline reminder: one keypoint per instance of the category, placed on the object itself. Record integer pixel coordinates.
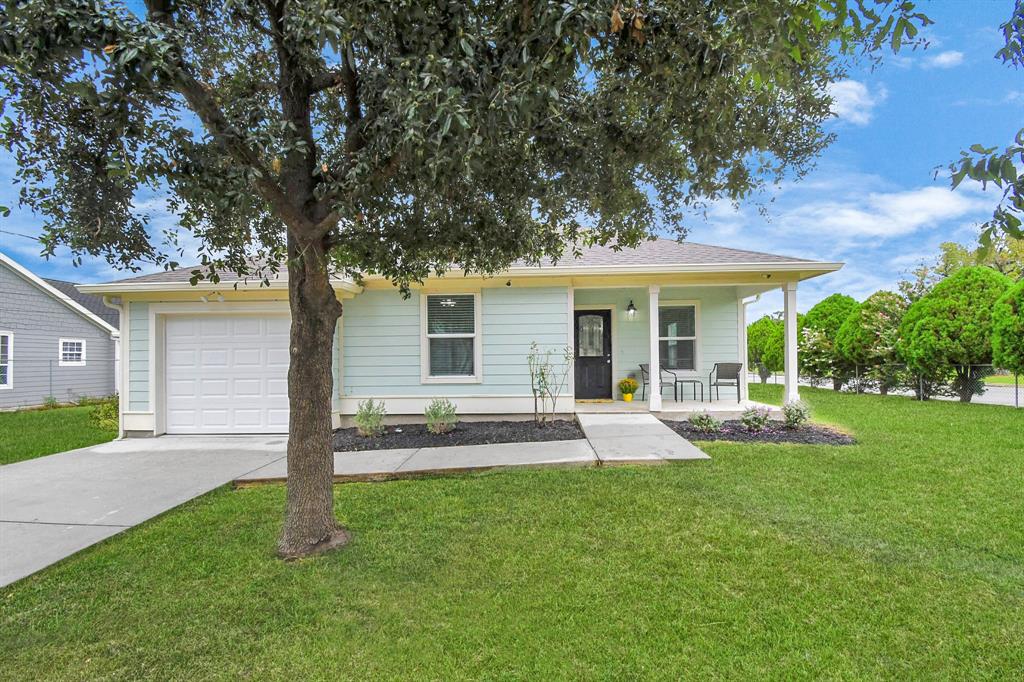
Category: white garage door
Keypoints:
(227, 374)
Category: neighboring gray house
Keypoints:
(54, 340)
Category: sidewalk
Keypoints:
(610, 439)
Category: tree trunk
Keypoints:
(763, 372)
(883, 389)
(837, 384)
(310, 526)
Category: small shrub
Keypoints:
(705, 423)
(755, 419)
(441, 416)
(795, 414)
(105, 413)
(369, 418)
(50, 402)
(628, 386)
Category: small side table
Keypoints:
(694, 383)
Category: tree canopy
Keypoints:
(406, 138)
(999, 165)
(829, 314)
(952, 326)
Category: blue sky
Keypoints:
(872, 201)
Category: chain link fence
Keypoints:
(30, 383)
(966, 383)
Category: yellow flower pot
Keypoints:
(628, 397)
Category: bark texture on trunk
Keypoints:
(310, 525)
(837, 384)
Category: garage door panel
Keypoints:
(227, 374)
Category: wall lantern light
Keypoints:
(631, 311)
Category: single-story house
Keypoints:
(214, 358)
(55, 341)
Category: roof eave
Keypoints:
(805, 268)
(56, 293)
(114, 288)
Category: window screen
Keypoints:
(451, 335)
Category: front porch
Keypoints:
(677, 409)
(695, 334)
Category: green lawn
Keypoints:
(899, 557)
(1001, 380)
(34, 433)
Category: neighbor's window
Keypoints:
(72, 352)
(677, 334)
(451, 336)
(6, 360)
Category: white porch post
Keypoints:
(654, 404)
(791, 368)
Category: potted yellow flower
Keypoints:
(627, 387)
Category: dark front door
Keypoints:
(593, 354)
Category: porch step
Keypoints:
(638, 437)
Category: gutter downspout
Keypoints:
(744, 302)
(116, 303)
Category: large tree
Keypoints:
(1000, 165)
(405, 138)
(949, 330)
(1002, 253)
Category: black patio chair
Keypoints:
(645, 377)
(725, 374)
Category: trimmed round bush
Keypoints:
(950, 328)
(1008, 330)
(765, 346)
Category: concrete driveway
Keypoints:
(54, 506)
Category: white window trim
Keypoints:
(697, 356)
(61, 362)
(477, 336)
(10, 361)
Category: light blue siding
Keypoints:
(630, 344)
(382, 341)
(138, 357)
(718, 333)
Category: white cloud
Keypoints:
(852, 101)
(882, 214)
(944, 60)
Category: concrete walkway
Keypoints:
(635, 437)
(52, 507)
(368, 465)
(610, 439)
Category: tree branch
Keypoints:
(205, 106)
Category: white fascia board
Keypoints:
(810, 268)
(33, 279)
(804, 270)
(114, 288)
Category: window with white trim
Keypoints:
(450, 337)
(71, 352)
(6, 360)
(677, 337)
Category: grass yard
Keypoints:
(1001, 380)
(33, 433)
(902, 556)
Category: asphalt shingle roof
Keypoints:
(94, 304)
(664, 252)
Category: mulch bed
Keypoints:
(775, 432)
(466, 433)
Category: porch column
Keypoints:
(654, 404)
(791, 368)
